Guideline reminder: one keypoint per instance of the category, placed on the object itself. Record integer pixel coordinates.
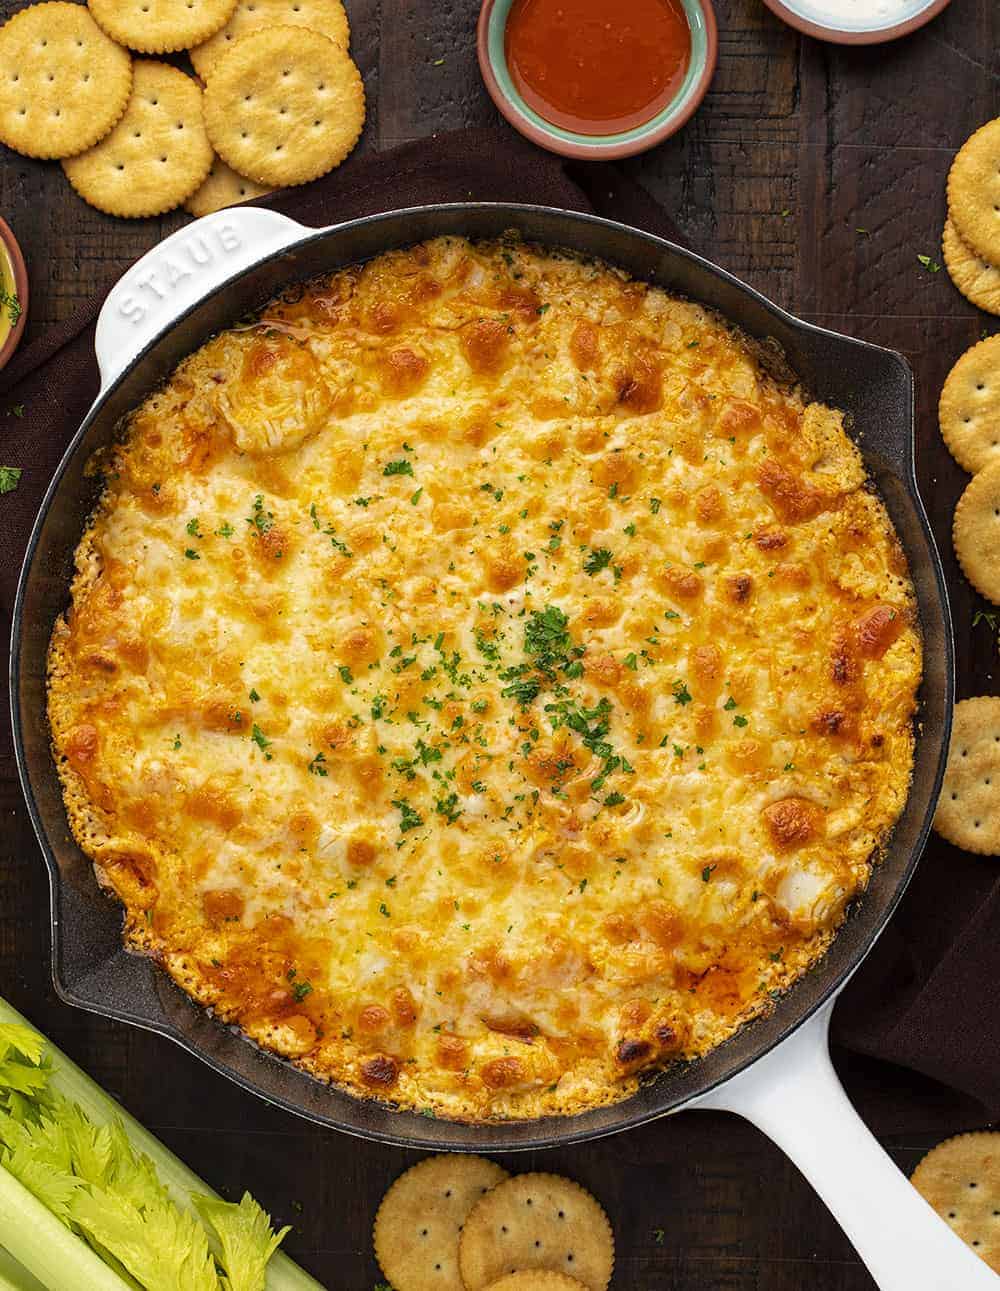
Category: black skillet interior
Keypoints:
(90, 968)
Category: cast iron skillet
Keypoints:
(205, 277)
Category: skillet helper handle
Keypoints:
(794, 1096)
(177, 273)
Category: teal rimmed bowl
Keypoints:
(493, 65)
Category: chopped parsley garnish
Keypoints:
(346, 675)
(706, 873)
(614, 800)
(192, 528)
(261, 519)
(730, 704)
(592, 725)
(681, 693)
(225, 530)
(654, 505)
(448, 807)
(599, 558)
(549, 645)
(740, 720)
(383, 910)
(191, 554)
(409, 818)
(300, 990)
(399, 467)
(522, 689)
(316, 766)
(488, 647)
(10, 478)
(930, 265)
(261, 740)
(631, 661)
(253, 697)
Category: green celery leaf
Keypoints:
(55, 1191)
(91, 1146)
(163, 1247)
(132, 1175)
(38, 1154)
(18, 1077)
(246, 1237)
(28, 1043)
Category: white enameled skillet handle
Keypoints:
(179, 271)
(794, 1096)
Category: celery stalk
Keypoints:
(15, 1277)
(283, 1274)
(46, 1247)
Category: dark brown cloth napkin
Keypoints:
(928, 997)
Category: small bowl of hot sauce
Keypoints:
(597, 79)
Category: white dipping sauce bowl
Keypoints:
(833, 21)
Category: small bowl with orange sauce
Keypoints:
(597, 79)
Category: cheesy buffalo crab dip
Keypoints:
(483, 683)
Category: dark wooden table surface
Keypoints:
(815, 173)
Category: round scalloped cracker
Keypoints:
(284, 106)
(421, 1216)
(328, 17)
(537, 1221)
(960, 1178)
(977, 279)
(156, 156)
(974, 191)
(969, 409)
(536, 1280)
(64, 83)
(222, 188)
(161, 26)
(976, 532)
(968, 811)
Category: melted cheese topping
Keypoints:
(483, 682)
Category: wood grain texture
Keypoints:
(797, 147)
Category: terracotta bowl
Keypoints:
(20, 286)
(862, 36)
(493, 65)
